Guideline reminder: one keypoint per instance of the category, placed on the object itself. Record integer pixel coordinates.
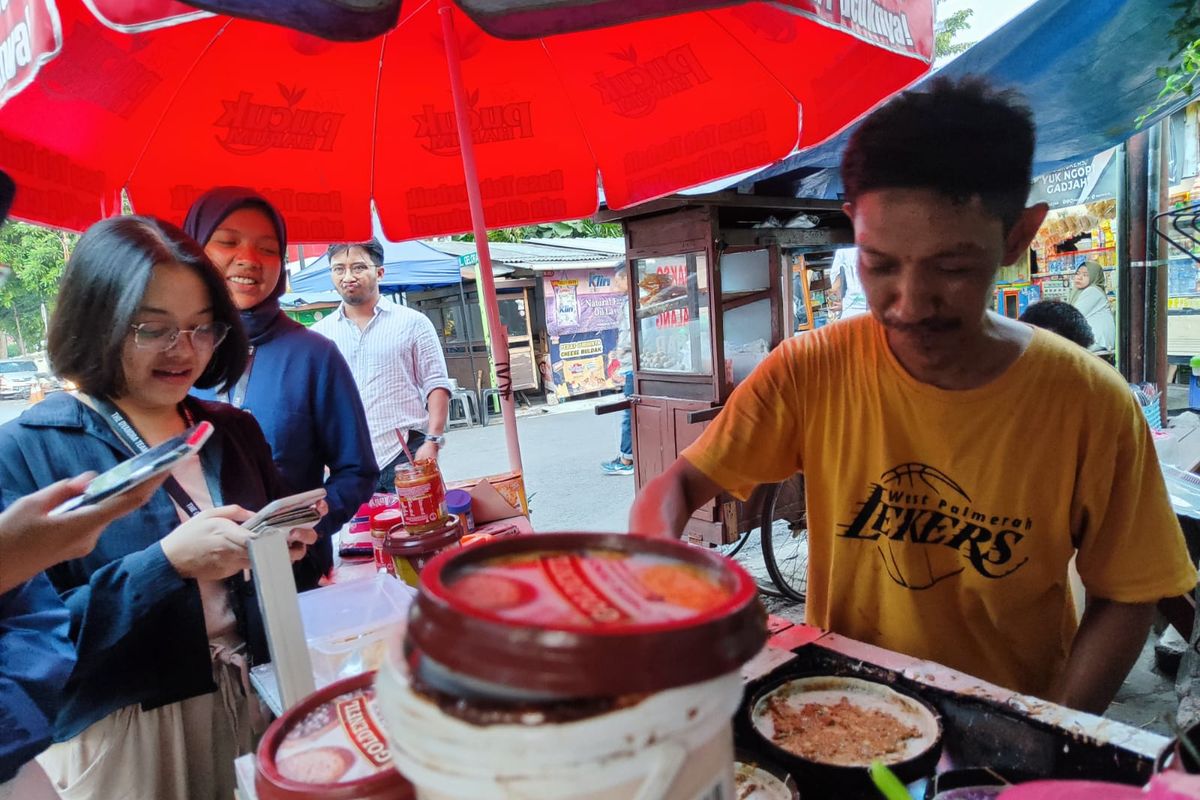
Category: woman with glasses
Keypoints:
(163, 621)
(296, 383)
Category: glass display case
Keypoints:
(673, 318)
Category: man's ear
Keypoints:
(848, 210)
(379, 271)
(1022, 233)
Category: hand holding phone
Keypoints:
(139, 469)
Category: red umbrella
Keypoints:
(323, 128)
(653, 106)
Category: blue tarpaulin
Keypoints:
(1086, 67)
(408, 266)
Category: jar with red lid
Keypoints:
(421, 495)
(382, 521)
(330, 746)
(572, 666)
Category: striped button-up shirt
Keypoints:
(396, 361)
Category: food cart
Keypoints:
(711, 293)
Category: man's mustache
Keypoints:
(925, 326)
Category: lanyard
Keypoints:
(133, 440)
(237, 398)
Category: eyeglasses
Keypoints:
(160, 337)
(358, 268)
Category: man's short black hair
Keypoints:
(960, 139)
(372, 248)
(102, 289)
(1062, 318)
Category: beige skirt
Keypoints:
(183, 751)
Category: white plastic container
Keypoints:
(635, 753)
(347, 625)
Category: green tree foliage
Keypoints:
(33, 259)
(948, 29)
(1180, 74)
(570, 229)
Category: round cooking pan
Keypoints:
(915, 758)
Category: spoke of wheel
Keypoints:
(785, 552)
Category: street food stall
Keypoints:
(711, 293)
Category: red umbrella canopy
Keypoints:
(322, 128)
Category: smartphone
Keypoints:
(140, 468)
(280, 512)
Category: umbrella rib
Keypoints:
(378, 95)
(170, 104)
(570, 100)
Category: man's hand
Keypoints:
(429, 450)
(1110, 638)
(663, 506)
(31, 540)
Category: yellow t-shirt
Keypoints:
(941, 522)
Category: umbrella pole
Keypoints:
(487, 282)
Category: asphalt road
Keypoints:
(561, 452)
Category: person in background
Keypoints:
(296, 385)
(395, 357)
(1090, 297)
(1061, 318)
(623, 463)
(937, 526)
(162, 619)
(36, 654)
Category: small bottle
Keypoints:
(383, 521)
(421, 496)
(458, 501)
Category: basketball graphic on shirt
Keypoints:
(926, 529)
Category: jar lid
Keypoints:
(586, 614)
(458, 500)
(387, 518)
(330, 746)
(400, 542)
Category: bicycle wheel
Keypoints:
(785, 551)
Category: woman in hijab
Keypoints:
(297, 385)
(1091, 299)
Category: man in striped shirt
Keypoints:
(395, 356)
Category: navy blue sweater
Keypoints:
(35, 659)
(137, 626)
(304, 397)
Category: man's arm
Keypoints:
(438, 405)
(663, 506)
(1109, 640)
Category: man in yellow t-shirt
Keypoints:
(954, 459)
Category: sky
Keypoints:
(989, 14)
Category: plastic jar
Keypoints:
(572, 667)
(382, 523)
(458, 501)
(407, 553)
(421, 495)
(330, 746)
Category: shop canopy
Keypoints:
(408, 266)
(1086, 67)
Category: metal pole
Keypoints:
(462, 299)
(1157, 283)
(1124, 277)
(1133, 250)
(487, 282)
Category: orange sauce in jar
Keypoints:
(422, 495)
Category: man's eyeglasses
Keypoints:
(358, 268)
(160, 337)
